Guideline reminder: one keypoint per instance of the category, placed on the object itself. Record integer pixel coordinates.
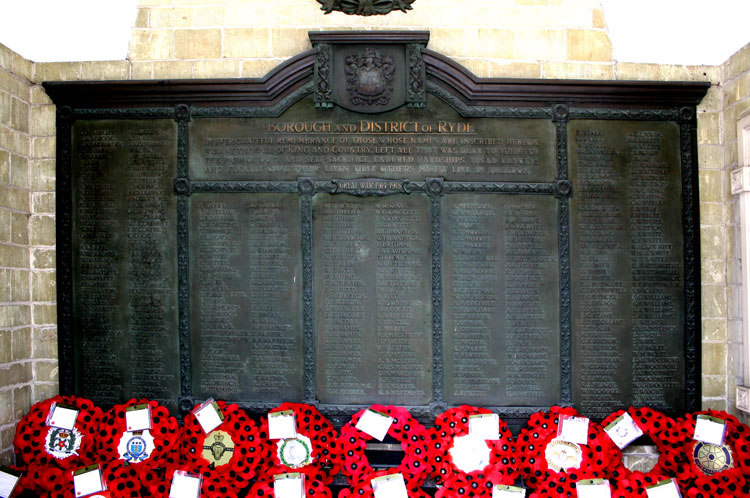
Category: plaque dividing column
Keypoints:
(306, 189)
(182, 189)
(435, 189)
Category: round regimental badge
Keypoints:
(136, 447)
(711, 458)
(218, 448)
(296, 452)
(61, 443)
(563, 455)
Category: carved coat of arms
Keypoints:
(369, 76)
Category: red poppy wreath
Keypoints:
(264, 486)
(314, 451)
(545, 457)
(715, 470)
(406, 430)
(464, 460)
(228, 456)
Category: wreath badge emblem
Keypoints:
(369, 75)
(61, 443)
(563, 455)
(218, 448)
(136, 447)
(296, 452)
(711, 458)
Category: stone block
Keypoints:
(17, 142)
(287, 42)
(217, 69)
(4, 166)
(20, 115)
(479, 67)
(46, 371)
(19, 171)
(43, 202)
(714, 359)
(710, 157)
(39, 96)
(6, 109)
(6, 57)
(734, 272)
(712, 214)
(44, 286)
(5, 342)
(6, 282)
(141, 18)
(14, 198)
(22, 344)
(6, 402)
(15, 315)
(249, 15)
(711, 185)
(709, 130)
(589, 45)
(669, 72)
(734, 302)
(14, 256)
(151, 44)
(257, 68)
(19, 291)
(514, 69)
(23, 67)
(45, 314)
(22, 397)
(42, 230)
(212, 16)
(713, 272)
(43, 174)
(43, 119)
(173, 70)
(14, 86)
(43, 147)
(16, 374)
(714, 404)
(170, 17)
(19, 228)
(105, 70)
(712, 100)
(142, 70)
(247, 42)
(45, 342)
(43, 259)
(6, 437)
(5, 228)
(540, 44)
(197, 43)
(577, 70)
(539, 2)
(57, 71)
(45, 391)
(597, 19)
(737, 63)
(713, 301)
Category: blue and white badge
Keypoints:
(136, 447)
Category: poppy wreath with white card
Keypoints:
(264, 486)
(364, 489)
(405, 429)
(545, 457)
(141, 451)
(228, 456)
(716, 469)
(315, 451)
(459, 458)
(37, 444)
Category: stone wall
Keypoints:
(247, 38)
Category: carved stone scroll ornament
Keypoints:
(365, 7)
(369, 77)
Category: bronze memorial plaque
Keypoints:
(501, 300)
(372, 223)
(246, 292)
(627, 280)
(372, 299)
(125, 260)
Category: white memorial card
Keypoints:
(375, 424)
(289, 485)
(390, 486)
(623, 430)
(8, 481)
(710, 430)
(485, 426)
(664, 489)
(573, 429)
(282, 425)
(62, 416)
(138, 418)
(594, 488)
(209, 416)
(505, 491)
(185, 485)
(88, 480)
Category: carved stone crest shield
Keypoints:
(369, 77)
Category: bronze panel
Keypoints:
(402, 144)
(372, 299)
(627, 261)
(501, 300)
(124, 260)
(246, 294)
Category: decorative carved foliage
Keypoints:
(365, 7)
